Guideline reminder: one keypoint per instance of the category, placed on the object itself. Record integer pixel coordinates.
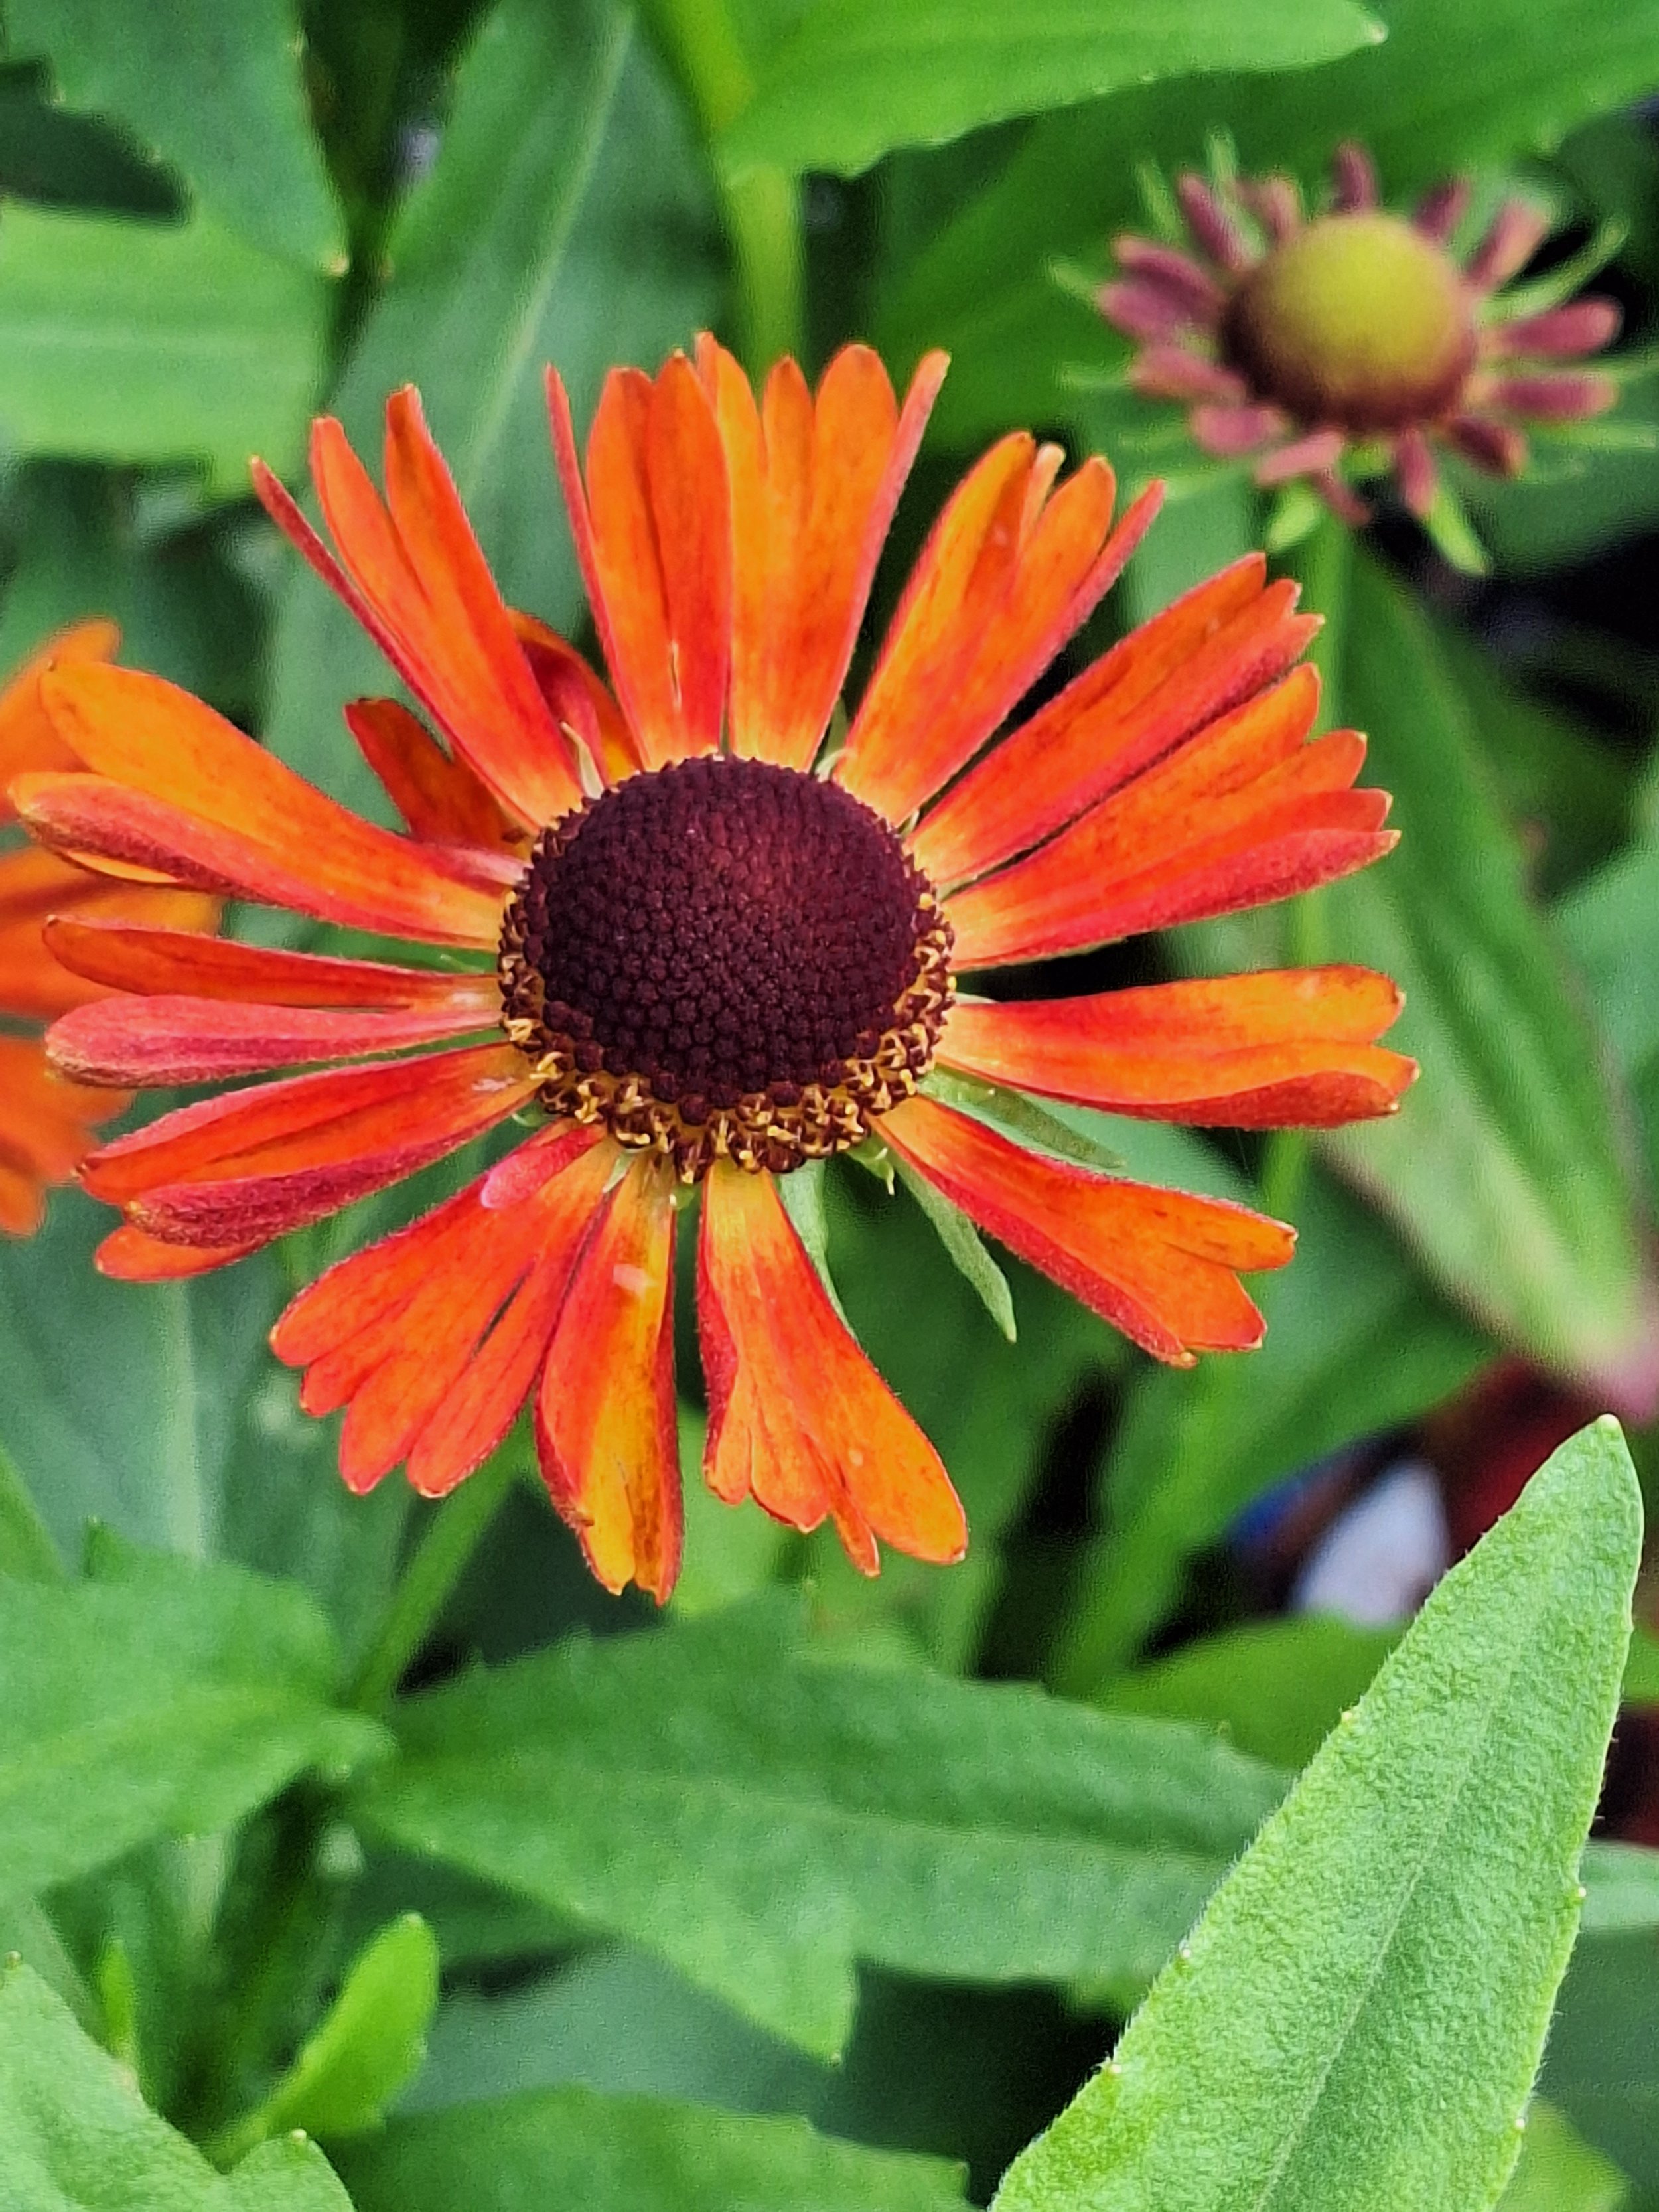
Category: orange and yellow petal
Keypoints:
(134, 957)
(1247, 811)
(799, 1418)
(1012, 569)
(814, 481)
(1289, 1049)
(244, 1168)
(411, 571)
(178, 791)
(394, 1332)
(442, 799)
(653, 531)
(153, 1044)
(1160, 1265)
(1212, 649)
(27, 738)
(606, 1433)
(579, 700)
(127, 1254)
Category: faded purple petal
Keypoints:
(1144, 311)
(1414, 467)
(1229, 431)
(1303, 457)
(1497, 447)
(1344, 502)
(1551, 398)
(1174, 272)
(1355, 179)
(1582, 326)
(1515, 234)
(1166, 372)
(1211, 224)
(1439, 212)
(1277, 204)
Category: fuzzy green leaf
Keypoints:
(212, 86)
(74, 2136)
(160, 1698)
(371, 2042)
(859, 77)
(763, 1817)
(1358, 2017)
(572, 2147)
(154, 341)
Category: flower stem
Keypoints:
(761, 205)
(440, 1558)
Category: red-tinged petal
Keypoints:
(130, 957)
(1419, 480)
(1244, 813)
(28, 738)
(1546, 399)
(1228, 432)
(1003, 583)
(163, 751)
(1580, 327)
(1175, 273)
(799, 1418)
(1514, 235)
(1170, 372)
(1211, 225)
(1440, 210)
(1354, 174)
(1293, 1048)
(1304, 457)
(1219, 644)
(45, 1123)
(1159, 1265)
(654, 537)
(127, 1256)
(34, 981)
(150, 1043)
(814, 484)
(443, 800)
(292, 1143)
(578, 701)
(606, 1428)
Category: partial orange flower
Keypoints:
(1357, 342)
(46, 1123)
(707, 954)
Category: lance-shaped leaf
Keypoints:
(1357, 2020)
(73, 2131)
(573, 2146)
(763, 1817)
(159, 1699)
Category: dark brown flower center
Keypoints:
(723, 959)
(1359, 321)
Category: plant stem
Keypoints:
(440, 1558)
(761, 206)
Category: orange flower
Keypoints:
(706, 960)
(46, 1123)
(1355, 343)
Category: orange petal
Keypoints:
(149, 1043)
(170, 759)
(1009, 573)
(1208, 653)
(46, 1130)
(1292, 1048)
(135, 958)
(1159, 1265)
(251, 1166)
(411, 571)
(128, 1256)
(654, 535)
(27, 738)
(814, 485)
(606, 1430)
(799, 1418)
(1244, 813)
(443, 800)
(33, 982)
(578, 701)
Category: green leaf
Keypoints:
(159, 1699)
(1610, 924)
(763, 1817)
(1448, 88)
(541, 234)
(26, 1550)
(1560, 2172)
(1642, 1669)
(74, 2136)
(212, 86)
(968, 1256)
(1356, 1343)
(1623, 1884)
(1599, 2068)
(571, 2147)
(1358, 2017)
(369, 2046)
(1502, 1165)
(859, 78)
(1276, 1688)
(153, 341)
